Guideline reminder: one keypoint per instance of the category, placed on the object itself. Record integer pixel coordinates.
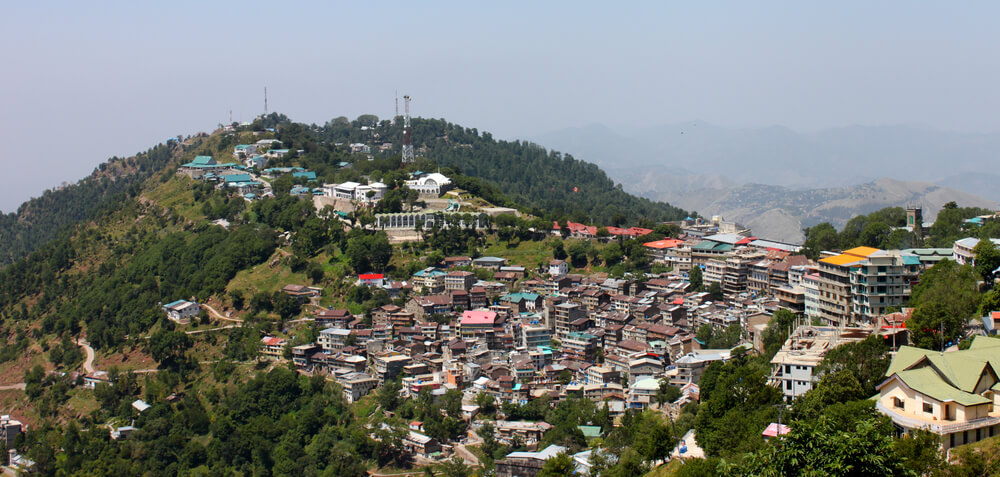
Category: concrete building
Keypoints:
(181, 311)
(793, 367)
(355, 386)
(835, 284)
(884, 280)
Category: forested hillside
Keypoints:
(40, 219)
(550, 183)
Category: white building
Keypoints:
(794, 365)
(181, 311)
(430, 185)
(355, 191)
(963, 249)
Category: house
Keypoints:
(181, 311)
(333, 339)
(9, 430)
(122, 433)
(558, 268)
(476, 322)
(272, 346)
(489, 262)
(90, 381)
(429, 280)
(459, 280)
(526, 464)
(450, 262)
(355, 386)
(642, 393)
(333, 318)
(301, 292)
(371, 279)
(421, 445)
(952, 394)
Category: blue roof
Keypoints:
(300, 190)
(310, 175)
(237, 178)
(174, 303)
(250, 195)
(203, 161)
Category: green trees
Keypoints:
(694, 277)
(945, 299)
(820, 448)
(867, 360)
(559, 466)
(987, 260)
(168, 347)
(368, 252)
(738, 406)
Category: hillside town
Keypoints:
(495, 335)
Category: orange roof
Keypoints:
(861, 251)
(662, 244)
(842, 259)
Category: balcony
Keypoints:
(938, 427)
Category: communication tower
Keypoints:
(407, 132)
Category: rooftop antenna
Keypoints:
(407, 132)
(230, 116)
(265, 101)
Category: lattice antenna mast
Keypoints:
(407, 132)
(265, 101)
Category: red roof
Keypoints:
(371, 276)
(678, 301)
(272, 341)
(665, 243)
(775, 429)
(478, 317)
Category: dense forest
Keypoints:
(548, 183)
(42, 218)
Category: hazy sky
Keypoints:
(83, 81)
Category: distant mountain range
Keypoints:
(777, 180)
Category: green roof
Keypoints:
(203, 161)
(713, 246)
(950, 376)
(927, 381)
(590, 432)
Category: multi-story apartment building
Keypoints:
(835, 284)
(713, 271)
(735, 274)
(566, 313)
(810, 284)
(883, 280)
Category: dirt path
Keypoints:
(219, 315)
(8, 387)
(88, 364)
(195, 332)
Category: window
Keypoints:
(928, 408)
(898, 403)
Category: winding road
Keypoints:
(219, 315)
(88, 364)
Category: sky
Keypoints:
(84, 81)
